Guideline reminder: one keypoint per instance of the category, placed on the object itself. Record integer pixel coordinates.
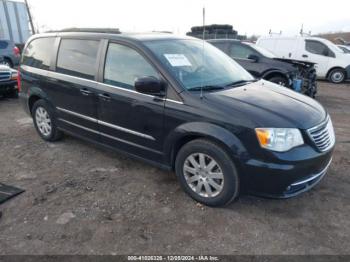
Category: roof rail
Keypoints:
(89, 30)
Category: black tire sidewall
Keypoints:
(277, 79)
(42, 103)
(231, 179)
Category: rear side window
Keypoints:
(38, 53)
(222, 46)
(77, 58)
(3, 44)
(124, 65)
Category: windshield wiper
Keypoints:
(206, 88)
(241, 82)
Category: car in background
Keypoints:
(10, 52)
(261, 63)
(345, 48)
(331, 61)
(8, 81)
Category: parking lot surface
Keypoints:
(83, 199)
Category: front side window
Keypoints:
(77, 58)
(38, 53)
(123, 65)
(196, 64)
(241, 51)
(317, 48)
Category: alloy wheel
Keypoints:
(203, 175)
(43, 121)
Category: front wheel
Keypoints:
(207, 173)
(337, 76)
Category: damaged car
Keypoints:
(261, 63)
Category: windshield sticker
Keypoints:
(178, 60)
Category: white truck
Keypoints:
(331, 62)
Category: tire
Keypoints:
(282, 81)
(44, 121)
(337, 76)
(223, 188)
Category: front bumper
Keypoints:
(301, 170)
(7, 86)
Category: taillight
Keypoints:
(16, 51)
(19, 81)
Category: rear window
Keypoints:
(77, 58)
(38, 53)
(3, 44)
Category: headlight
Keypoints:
(279, 139)
(14, 76)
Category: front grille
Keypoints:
(323, 135)
(5, 76)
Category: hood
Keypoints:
(278, 65)
(270, 105)
(4, 68)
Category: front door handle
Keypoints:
(105, 97)
(85, 92)
(305, 56)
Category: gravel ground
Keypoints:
(83, 199)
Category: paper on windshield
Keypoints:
(177, 60)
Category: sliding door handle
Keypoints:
(85, 92)
(105, 97)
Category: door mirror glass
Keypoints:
(149, 85)
(253, 57)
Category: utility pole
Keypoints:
(30, 17)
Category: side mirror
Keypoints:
(253, 57)
(149, 85)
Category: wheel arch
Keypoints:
(273, 73)
(197, 130)
(35, 95)
(337, 67)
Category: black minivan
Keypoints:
(181, 104)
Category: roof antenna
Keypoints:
(203, 49)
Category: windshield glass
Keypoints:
(196, 67)
(346, 51)
(263, 51)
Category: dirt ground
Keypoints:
(82, 199)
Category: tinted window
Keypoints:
(38, 53)
(124, 65)
(3, 44)
(220, 45)
(77, 58)
(317, 48)
(241, 51)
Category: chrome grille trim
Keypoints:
(5, 76)
(323, 135)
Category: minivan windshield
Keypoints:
(199, 65)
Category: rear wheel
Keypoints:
(337, 76)
(44, 121)
(207, 173)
